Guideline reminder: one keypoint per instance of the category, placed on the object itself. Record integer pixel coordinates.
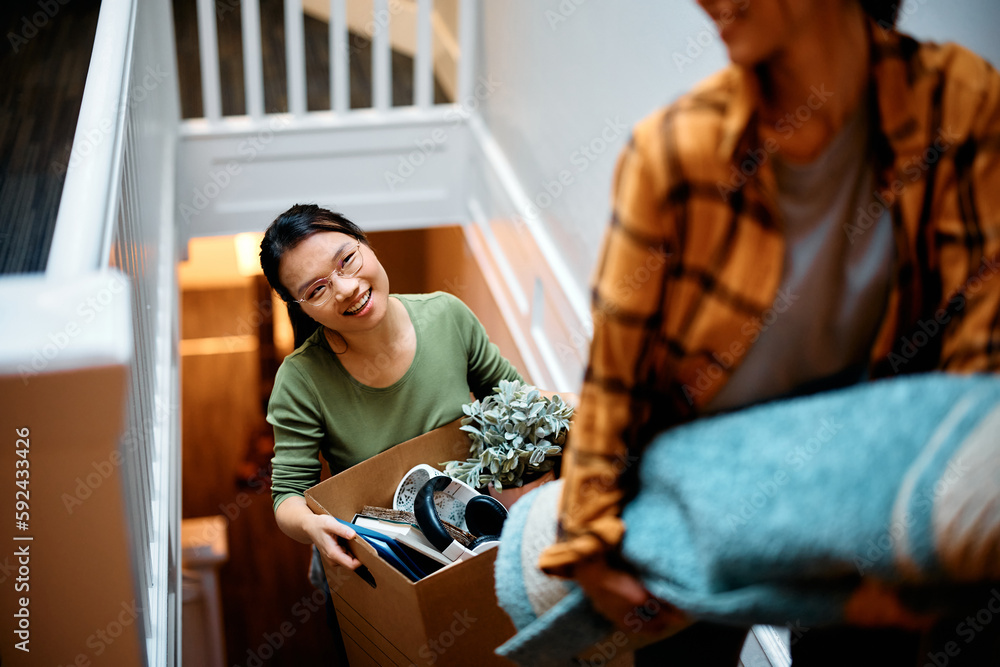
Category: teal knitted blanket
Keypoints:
(778, 513)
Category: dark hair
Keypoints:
(883, 12)
(287, 231)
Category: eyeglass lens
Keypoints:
(348, 265)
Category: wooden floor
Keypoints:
(42, 74)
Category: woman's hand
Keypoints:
(332, 539)
(623, 600)
(329, 535)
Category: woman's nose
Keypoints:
(344, 288)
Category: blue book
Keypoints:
(389, 551)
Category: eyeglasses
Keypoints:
(346, 266)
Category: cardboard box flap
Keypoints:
(373, 482)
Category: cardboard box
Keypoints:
(450, 617)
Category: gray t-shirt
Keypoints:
(834, 286)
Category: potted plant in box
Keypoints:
(516, 434)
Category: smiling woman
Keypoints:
(371, 369)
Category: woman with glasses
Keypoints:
(379, 369)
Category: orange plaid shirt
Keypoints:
(693, 258)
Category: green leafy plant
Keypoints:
(515, 433)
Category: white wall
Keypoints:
(971, 23)
(569, 70)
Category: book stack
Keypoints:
(398, 540)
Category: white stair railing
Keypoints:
(102, 403)
(340, 45)
(295, 56)
(253, 64)
(238, 171)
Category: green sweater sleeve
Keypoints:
(298, 432)
(486, 365)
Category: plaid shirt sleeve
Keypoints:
(944, 312)
(970, 273)
(627, 303)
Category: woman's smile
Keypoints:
(362, 305)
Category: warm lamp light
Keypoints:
(248, 253)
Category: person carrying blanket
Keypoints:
(807, 512)
(823, 212)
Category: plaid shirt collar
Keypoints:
(896, 96)
(906, 100)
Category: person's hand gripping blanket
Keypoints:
(876, 504)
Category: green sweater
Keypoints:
(317, 407)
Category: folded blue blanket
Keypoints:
(778, 513)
